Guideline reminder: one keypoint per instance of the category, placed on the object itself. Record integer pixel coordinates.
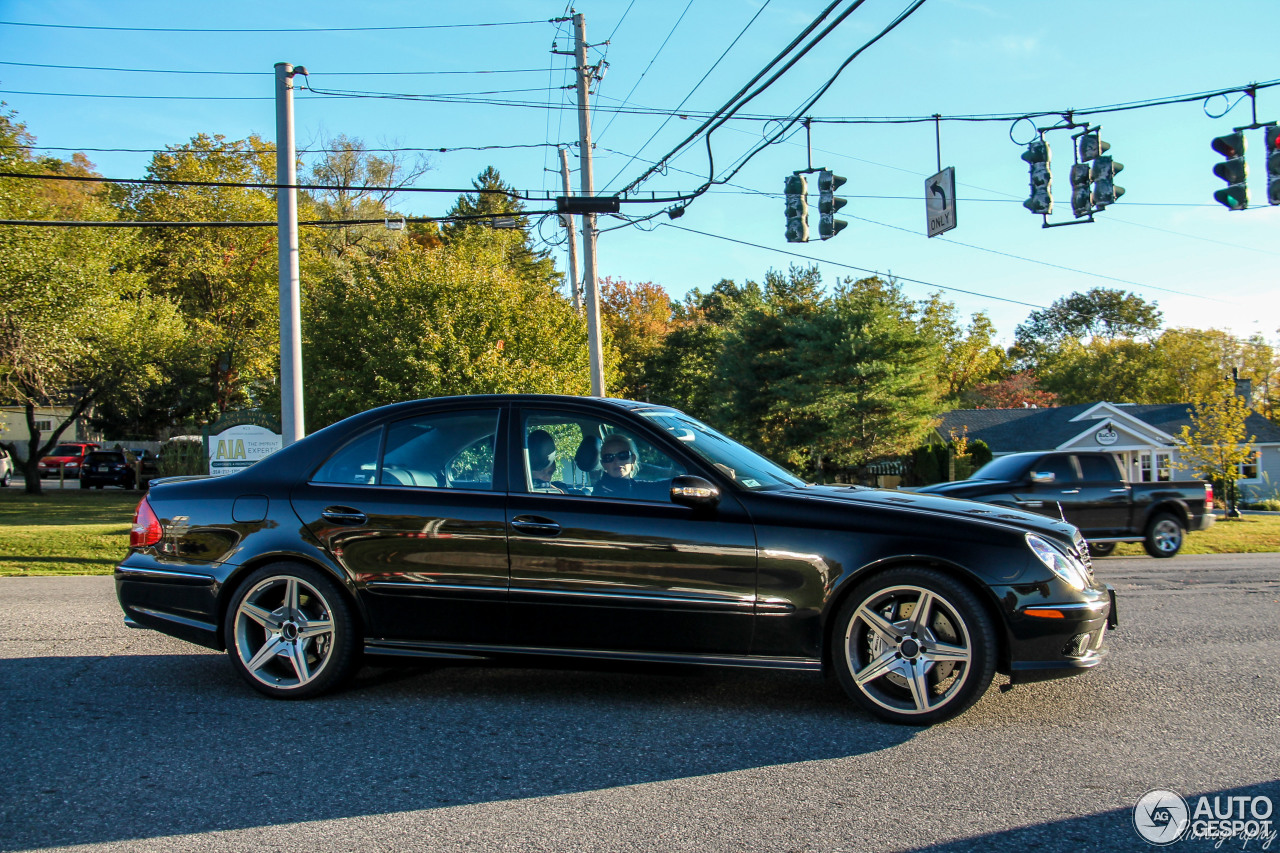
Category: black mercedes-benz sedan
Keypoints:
(474, 528)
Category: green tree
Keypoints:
(224, 280)
(434, 322)
(348, 165)
(77, 327)
(842, 378)
(971, 355)
(1214, 445)
(494, 197)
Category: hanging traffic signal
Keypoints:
(1233, 170)
(1081, 189)
(1273, 164)
(1105, 190)
(1037, 154)
(829, 203)
(797, 190)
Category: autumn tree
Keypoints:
(638, 317)
(1017, 391)
(1215, 445)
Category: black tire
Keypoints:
(1165, 535)
(291, 651)
(83, 484)
(1101, 549)
(905, 672)
(5, 478)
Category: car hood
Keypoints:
(956, 487)
(957, 508)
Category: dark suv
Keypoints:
(108, 468)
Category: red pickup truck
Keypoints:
(68, 457)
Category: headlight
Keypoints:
(1059, 563)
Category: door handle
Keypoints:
(344, 515)
(1119, 491)
(1070, 491)
(535, 525)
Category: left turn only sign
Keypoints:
(940, 201)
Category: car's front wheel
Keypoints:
(914, 646)
(290, 632)
(1164, 536)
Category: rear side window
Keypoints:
(448, 450)
(355, 463)
(1095, 469)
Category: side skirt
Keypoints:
(405, 648)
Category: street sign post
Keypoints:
(940, 201)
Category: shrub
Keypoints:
(183, 454)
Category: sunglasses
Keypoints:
(621, 456)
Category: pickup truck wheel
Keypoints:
(913, 646)
(1101, 549)
(1164, 536)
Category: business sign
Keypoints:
(940, 201)
(1106, 436)
(240, 439)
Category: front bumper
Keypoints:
(1048, 639)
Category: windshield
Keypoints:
(67, 450)
(746, 467)
(1004, 468)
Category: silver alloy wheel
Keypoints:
(284, 634)
(908, 650)
(1166, 535)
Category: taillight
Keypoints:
(146, 527)
(1208, 496)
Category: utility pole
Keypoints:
(587, 184)
(575, 283)
(291, 414)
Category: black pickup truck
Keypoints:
(1089, 491)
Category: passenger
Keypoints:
(542, 461)
(619, 459)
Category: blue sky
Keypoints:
(1166, 240)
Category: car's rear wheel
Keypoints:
(290, 632)
(914, 646)
(83, 484)
(1101, 549)
(1164, 536)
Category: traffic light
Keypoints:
(1037, 154)
(1105, 190)
(829, 203)
(1081, 189)
(1102, 172)
(797, 189)
(1233, 170)
(1273, 164)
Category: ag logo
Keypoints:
(1161, 817)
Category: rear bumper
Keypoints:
(180, 603)
(1204, 522)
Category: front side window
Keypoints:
(567, 453)
(745, 467)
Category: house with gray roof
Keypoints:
(1142, 438)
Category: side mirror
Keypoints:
(1042, 476)
(688, 490)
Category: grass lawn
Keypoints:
(1248, 535)
(64, 531)
(74, 532)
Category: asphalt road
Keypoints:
(113, 739)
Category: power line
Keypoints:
(258, 186)
(224, 151)
(262, 223)
(269, 30)
(656, 54)
(263, 73)
(680, 106)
